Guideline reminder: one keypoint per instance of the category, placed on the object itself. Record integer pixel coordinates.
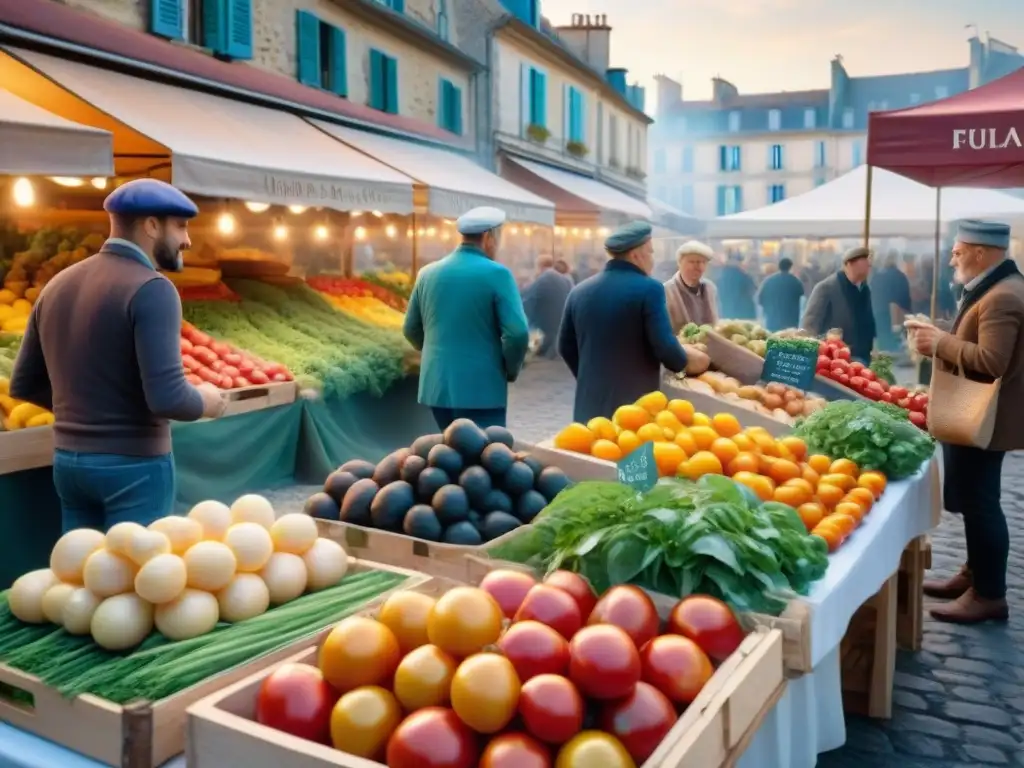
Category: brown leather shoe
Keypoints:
(969, 608)
(951, 588)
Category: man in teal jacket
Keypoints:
(466, 316)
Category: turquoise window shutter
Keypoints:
(456, 111)
(540, 98)
(215, 30)
(339, 62)
(391, 88)
(525, 97)
(165, 18)
(307, 38)
(238, 29)
(377, 80)
(581, 117)
(398, 6)
(567, 112)
(442, 103)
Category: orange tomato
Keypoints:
(762, 486)
(832, 536)
(849, 507)
(653, 402)
(424, 678)
(765, 443)
(784, 453)
(819, 463)
(845, 523)
(628, 441)
(809, 474)
(829, 495)
(603, 427)
(726, 424)
(873, 481)
(668, 457)
(667, 420)
(744, 462)
(843, 467)
(405, 613)
(631, 417)
(782, 470)
(685, 441)
(682, 410)
(725, 449)
(670, 434)
(704, 463)
(791, 495)
(839, 480)
(360, 651)
(744, 443)
(701, 420)
(757, 431)
(862, 496)
(796, 446)
(575, 437)
(799, 482)
(464, 621)
(811, 513)
(650, 433)
(606, 449)
(703, 437)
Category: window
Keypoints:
(820, 157)
(776, 193)
(810, 118)
(449, 111)
(322, 58)
(857, 154)
(774, 120)
(729, 158)
(686, 199)
(575, 115)
(687, 159)
(383, 82)
(396, 5)
(534, 94)
(941, 91)
(659, 161)
(442, 19)
(223, 26)
(730, 200)
(613, 141)
(734, 121)
(915, 98)
(848, 118)
(775, 157)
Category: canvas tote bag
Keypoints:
(961, 411)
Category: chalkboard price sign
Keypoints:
(790, 365)
(638, 470)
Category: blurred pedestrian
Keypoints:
(544, 301)
(736, 290)
(890, 302)
(779, 297)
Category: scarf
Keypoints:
(863, 317)
(1006, 268)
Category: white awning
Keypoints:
(225, 148)
(36, 142)
(596, 193)
(455, 183)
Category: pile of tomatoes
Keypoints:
(834, 363)
(511, 674)
(224, 366)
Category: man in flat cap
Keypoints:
(689, 296)
(616, 334)
(843, 300)
(987, 341)
(102, 350)
(466, 316)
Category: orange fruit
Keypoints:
(829, 495)
(784, 453)
(703, 437)
(682, 410)
(762, 486)
(843, 467)
(628, 442)
(782, 470)
(667, 420)
(862, 496)
(650, 433)
(726, 424)
(873, 481)
(792, 495)
(725, 449)
(765, 443)
(575, 437)
(653, 402)
(744, 462)
(845, 523)
(603, 428)
(832, 536)
(851, 508)
(705, 463)
(799, 482)
(819, 463)
(631, 417)
(809, 475)
(840, 481)
(811, 513)
(669, 434)
(796, 446)
(606, 449)
(701, 420)
(765, 463)
(685, 441)
(757, 431)
(743, 442)
(668, 457)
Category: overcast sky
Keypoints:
(773, 45)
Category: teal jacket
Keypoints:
(466, 315)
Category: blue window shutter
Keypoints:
(377, 81)
(533, 97)
(165, 18)
(307, 44)
(581, 117)
(398, 6)
(339, 62)
(391, 79)
(542, 98)
(215, 29)
(238, 28)
(442, 103)
(720, 205)
(567, 93)
(456, 110)
(723, 158)
(525, 97)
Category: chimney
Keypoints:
(669, 95)
(589, 37)
(617, 79)
(722, 90)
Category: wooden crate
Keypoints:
(26, 449)
(144, 734)
(868, 655)
(258, 397)
(706, 401)
(734, 360)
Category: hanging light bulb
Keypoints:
(360, 233)
(356, 214)
(280, 232)
(431, 231)
(527, 231)
(420, 232)
(446, 236)
(575, 231)
(297, 209)
(587, 233)
(378, 214)
(603, 232)
(320, 233)
(67, 181)
(514, 230)
(409, 233)
(24, 193)
(257, 207)
(99, 182)
(226, 224)
(391, 231)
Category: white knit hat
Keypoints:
(695, 248)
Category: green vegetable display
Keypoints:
(794, 345)
(881, 364)
(10, 343)
(875, 436)
(712, 536)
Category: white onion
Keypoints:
(161, 579)
(78, 610)
(214, 517)
(293, 533)
(246, 596)
(70, 552)
(121, 621)
(253, 508)
(251, 544)
(106, 574)
(26, 596)
(210, 565)
(120, 536)
(285, 576)
(54, 600)
(182, 532)
(191, 614)
(146, 544)
(326, 563)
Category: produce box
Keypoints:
(256, 398)
(26, 449)
(734, 360)
(148, 733)
(706, 401)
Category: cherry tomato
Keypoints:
(577, 586)
(405, 613)
(594, 749)
(640, 721)
(604, 662)
(842, 353)
(552, 606)
(551, 708)
(464, 621)
(535, 649)
(432, 738)
(676, 666)
(296, 699)
(709, 622)
(424, 678)
(363, 720)
(515, 750)
(485, 692)
(631, 609)
(508, 588)
(359, 651)
(258, 377)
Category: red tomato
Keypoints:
(640, 721)
(240, 382)
(868, 374)
(552, 606)
(629, 608)
(432, 738)
(296, 699)
(228, 370)
(194, 380)
(824, 350)
(515, 750)
(209, 375)
(603, 662)
(676, 666)
(824, 361)
(280, 378)
(918, 402)
(858, 382)
(535, 649)
(245, 366)
(918, 419)
(856, 367)
(874, 390)
(232, 358)
(218, 365)
(897, 392)
(709, 622)
(186, 346)
(220, 348)
(226, 382)
(578, 587)
(200, 339)
(508, 588)
(842, 353)
(190, 363)
(258, 377)
(844, 380)
(841, 363)
(904, 402)
(551, 708)
(886, 397)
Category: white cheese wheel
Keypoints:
(209, 565)
(285, 576)
(120, 536)
(145, 545)
(161, 579)
(121, 622)
(253, 508)
(78, 610)
(326, 563)
(54, 600)
(191, 614)
(246, 596)
(214, 517)
(182, 532)
(293, 533)
(26, 596)
(69, 553)
(106, 574)
(251, 544)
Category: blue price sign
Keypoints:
(638, 469)
(793, 367)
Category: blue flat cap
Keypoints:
(149, 197)
(989, 233)
(628, 236)
(480, 220)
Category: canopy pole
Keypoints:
(867, 211)
(415, 248)
(937, 266)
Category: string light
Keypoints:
(408, 233)
(257, 207)
(431, 232)
(280, 232)
(603, 232)
(24, 193)
(378, 214)
(67, 181)
(356, 214)
(575, 231)
(99, 182)
(420, 232)
(297, 209)
(226, 224)
(320, 233)
(514, 230)
(360, 233)
(587, 233)
(391, 231)
(527, 231)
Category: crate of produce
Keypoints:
(732, 358)
(25, 449)
(258, 397)
(152, 620)
(735, 683)
(426, 505)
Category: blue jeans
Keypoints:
(484, 417)
(98, 490)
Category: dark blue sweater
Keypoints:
(615, 337)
